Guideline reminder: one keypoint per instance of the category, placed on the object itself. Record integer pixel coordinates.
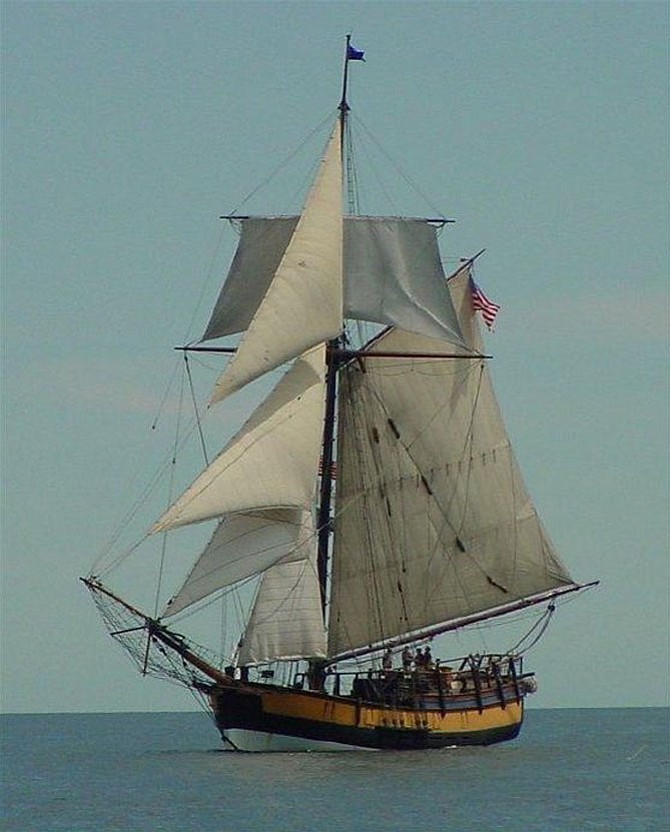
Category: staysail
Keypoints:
(243, 545)
(272, 461)
(303, 302)
(433, 520)
(286, 621)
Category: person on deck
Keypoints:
(407, 658)
(387, 660)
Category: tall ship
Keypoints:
(370, 503)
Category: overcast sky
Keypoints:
(130, 127)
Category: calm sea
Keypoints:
(572, 770)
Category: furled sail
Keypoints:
(303, 302)
(433, 522)
(286, 620)
(272, 462)
(243, 545)
(392, 275)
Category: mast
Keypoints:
(325, 495)
(333, 361)
(344, 106)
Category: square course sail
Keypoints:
(392, 274)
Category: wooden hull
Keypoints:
(255, 717)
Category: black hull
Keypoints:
(324, 719)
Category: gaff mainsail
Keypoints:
(433, 521)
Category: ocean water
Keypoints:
(572, 770)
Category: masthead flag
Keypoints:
(480, 303)
(354, 54)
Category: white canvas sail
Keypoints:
(243, 545)
(434, 522)
(303, 303)
(392, 274)
(272, 462)
(286, 621)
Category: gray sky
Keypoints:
(128, 128)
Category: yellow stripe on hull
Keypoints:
(322, 717)
(328, 709)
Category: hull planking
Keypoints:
(264, 718)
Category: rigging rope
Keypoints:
(159, 412)
(209, 273)
(165, 467)
(543, 623)
(170, 496)
(399, 170)
(351, 173)
(284, 162)
(195, 408)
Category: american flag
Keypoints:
(480, 303)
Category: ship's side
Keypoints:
(389, 711)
